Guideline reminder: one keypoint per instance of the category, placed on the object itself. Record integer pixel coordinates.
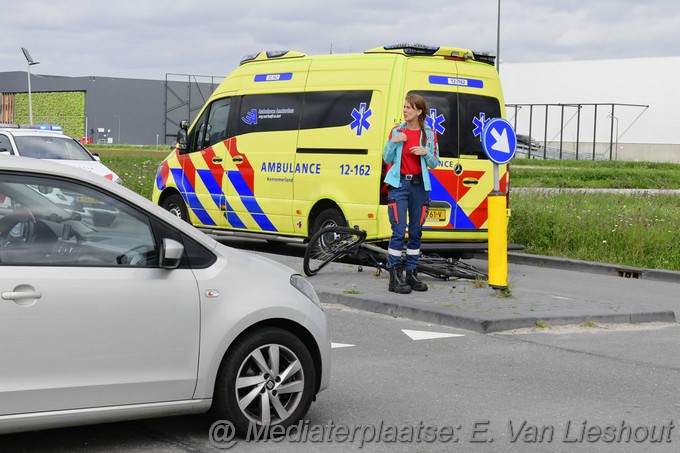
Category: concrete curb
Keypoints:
(472, 321)
(613, 270)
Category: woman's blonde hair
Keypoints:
(417, 102)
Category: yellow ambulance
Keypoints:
(291, 143)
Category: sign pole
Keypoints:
(499, 142)
(498, 236)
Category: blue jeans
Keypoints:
(412, 199)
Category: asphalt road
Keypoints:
(446, 389)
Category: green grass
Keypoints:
(541, 325)
(134, 164)
(589, 174)
(631, 230)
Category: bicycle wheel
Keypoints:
(444, 268)
(330, 244)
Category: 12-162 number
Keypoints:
(360, 170)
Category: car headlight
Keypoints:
(306, 288)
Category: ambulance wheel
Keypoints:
(328, 218)
(175, 205)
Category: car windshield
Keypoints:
(53, 147)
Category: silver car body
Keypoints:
(88, 343)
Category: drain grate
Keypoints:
(628, 273)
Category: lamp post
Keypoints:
(30, 62)
(498, 39)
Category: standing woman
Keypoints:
(411, 149)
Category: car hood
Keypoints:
(92, 166)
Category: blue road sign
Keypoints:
(499, 140)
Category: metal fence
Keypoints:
(587, 131)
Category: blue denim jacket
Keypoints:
(392, 155)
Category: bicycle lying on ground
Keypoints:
(337, 242)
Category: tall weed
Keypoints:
(633, 230)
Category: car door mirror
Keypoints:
(171, 253)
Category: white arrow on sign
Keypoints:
(502, 144)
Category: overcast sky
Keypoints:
(149, 38)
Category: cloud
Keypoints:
(147, 39)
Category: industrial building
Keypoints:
(106, 109)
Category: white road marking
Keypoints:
(340, 345)
(423, 335)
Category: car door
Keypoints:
(87, 316)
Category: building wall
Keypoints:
(130, 111)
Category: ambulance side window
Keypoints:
(269, 112)
(332, 108)
(211, 127)
(197, 135)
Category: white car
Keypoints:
(144, 318)
(48, 142)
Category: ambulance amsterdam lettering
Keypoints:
(192, 169)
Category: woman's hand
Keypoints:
(400, 137)
(418, 150)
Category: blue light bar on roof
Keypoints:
(47, 127)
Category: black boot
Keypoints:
(397, 283)
(413, 282)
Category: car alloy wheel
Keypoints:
(268, 379)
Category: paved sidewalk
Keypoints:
(550, 290)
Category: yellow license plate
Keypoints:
(436, 214)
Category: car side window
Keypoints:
(53, 222)
(5, 145)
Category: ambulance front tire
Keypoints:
(175, 205)
(327, 218)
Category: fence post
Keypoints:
(594, 130)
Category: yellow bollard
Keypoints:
(498, 241)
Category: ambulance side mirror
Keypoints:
(181, 143)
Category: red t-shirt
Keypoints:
(410, 163)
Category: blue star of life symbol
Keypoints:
(250, 118)
(360, 118)
(479, 124)
(435, 121)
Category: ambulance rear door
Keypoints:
(465, 177)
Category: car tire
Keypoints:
(175, 204)
(330, 217)
(245, 378)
